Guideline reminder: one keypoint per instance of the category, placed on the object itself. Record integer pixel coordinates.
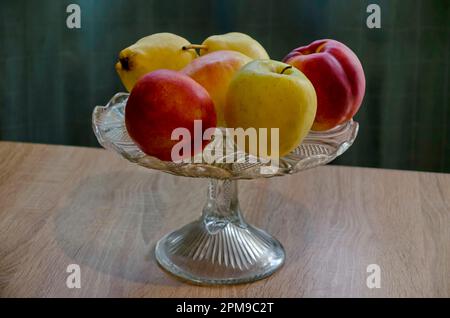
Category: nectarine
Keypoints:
(337, 76)
(162, 101)
(214, 72)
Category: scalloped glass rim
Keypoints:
(318, 148)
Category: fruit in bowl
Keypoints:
(162, 101)
(214, 72)
(271, 94)
(234, 84)
(153, 52)
(337, 76)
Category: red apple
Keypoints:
(337, 76)
(162, 101)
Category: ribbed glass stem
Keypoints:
(220, 248)
(222, 205)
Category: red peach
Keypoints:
(337, 76)
(214, 72)
(162, 101)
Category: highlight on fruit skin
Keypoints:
(153, 52)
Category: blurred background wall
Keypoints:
(52, 76)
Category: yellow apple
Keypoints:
(214, 72)
(271, 94)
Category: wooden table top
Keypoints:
(64, 205)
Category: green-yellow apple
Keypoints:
(271, 94)
(214, 72)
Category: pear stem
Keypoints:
(285, 69)
(195, 46)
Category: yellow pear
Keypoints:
(153, 52)
(234, 41)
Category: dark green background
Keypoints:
(52, 76)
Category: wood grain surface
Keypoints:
(64, 205)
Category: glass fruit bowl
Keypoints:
(220, 247)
